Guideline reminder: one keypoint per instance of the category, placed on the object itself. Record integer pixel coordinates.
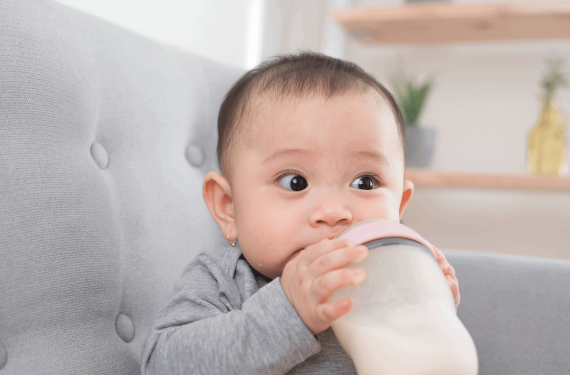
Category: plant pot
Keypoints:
(420, 143)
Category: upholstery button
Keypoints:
(100, 155)
(195, 155)
(3, 355)
(125, 328)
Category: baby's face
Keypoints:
(309, 168)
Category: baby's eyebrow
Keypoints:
(375, 156)
(289, 152)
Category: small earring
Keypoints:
(233, 243)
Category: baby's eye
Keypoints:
(365, 183)
(293, 182)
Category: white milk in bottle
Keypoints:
(404, 320)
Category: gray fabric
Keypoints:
(89, 256)
(105, 137)
(225, 318)
(517, 310)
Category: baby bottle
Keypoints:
(404, 319)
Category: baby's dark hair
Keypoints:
(285, 76)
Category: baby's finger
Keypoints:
(454, 286)
(440, 257)
(326, 313)
(327, 283)
(438, 252)
(444, 264)
(450, 271)
(323, 247)
(447, 269)
(338, 258)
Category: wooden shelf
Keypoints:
(431, 23)
(427, 178)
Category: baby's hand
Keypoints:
(309, 279)
(449, 273)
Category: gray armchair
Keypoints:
(105, 138)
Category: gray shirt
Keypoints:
(226, 318)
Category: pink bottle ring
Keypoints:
(371, 230)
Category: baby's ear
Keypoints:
(218, 196)
(406, 195)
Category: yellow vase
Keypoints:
(547, 141)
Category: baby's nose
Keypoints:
(331, 212)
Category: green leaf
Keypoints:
(554, 77)
(410, 96)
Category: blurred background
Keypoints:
(483, 104)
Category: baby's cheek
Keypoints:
(261, 254)
(385, 205)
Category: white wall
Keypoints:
(224, 30)
(291, 26)
(485, 101)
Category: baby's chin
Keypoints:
(270, 271)
(266, 272)
(273, 271)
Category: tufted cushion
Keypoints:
(105, 138)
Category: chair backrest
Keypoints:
(105, 137)
(516, 308)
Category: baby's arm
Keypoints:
(205, 330)
(309, 279)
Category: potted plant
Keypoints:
(411, 98)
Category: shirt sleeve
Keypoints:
(199, 332)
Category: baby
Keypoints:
(308, 145)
